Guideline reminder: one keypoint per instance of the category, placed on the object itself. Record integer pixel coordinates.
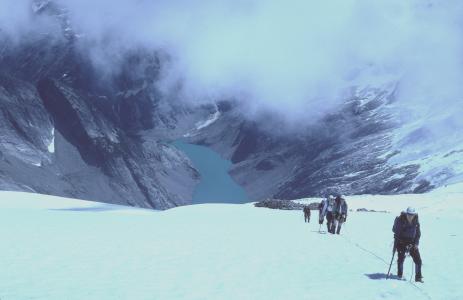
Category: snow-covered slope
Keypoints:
(433, 141)
(55, 248)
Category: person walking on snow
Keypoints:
(306, 210)
(340, 214)
(329, 213)
(407, 235)
(321, 211)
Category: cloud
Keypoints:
(14, 15)
(293, 57)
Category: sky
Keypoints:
(296, 58)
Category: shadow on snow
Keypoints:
(380, 276)
(92, 209)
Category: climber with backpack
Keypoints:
(328, 211)
(339, 214)
(306, 210)
(407, 235)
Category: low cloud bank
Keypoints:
(294, 57)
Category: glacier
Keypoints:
(58, 248)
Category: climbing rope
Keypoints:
(424, 293)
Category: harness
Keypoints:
(407, 243)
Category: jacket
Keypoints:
(322, 208)
(406, 232)
(306, 210)
(340, 207)
(330, 205)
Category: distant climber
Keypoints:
(407, 235)
(306, 210)
(339, 214)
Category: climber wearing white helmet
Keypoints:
(407, 235)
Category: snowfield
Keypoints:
(56, 248)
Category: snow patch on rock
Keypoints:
(51, 146)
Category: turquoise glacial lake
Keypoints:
(216, 185)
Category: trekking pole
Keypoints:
(413, 271)
(392, 259)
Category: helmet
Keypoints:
(410, 211)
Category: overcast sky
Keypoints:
(294, 57)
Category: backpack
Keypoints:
(331, 204)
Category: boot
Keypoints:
(419, 276)
(400, 270)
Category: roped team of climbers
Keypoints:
(335, 211)
(406, 230)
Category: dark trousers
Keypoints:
(338, 220)
(414, 253)
(307, 217)
(330, 222)
(338, 225)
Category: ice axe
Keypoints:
(392, 259)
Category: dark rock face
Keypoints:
(23, 120)
(346, 152)
(108, 136)
(66, 131)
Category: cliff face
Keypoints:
(67, 131)
(365, 147)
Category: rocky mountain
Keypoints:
(363, 148)
(68, 129)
